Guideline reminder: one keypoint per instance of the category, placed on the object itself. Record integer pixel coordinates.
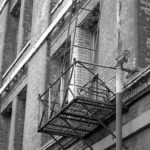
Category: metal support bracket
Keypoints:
(130, 70)
(100, 121)
(57, 141)
(77, 134)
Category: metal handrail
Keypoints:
(99, 92)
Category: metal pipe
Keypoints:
(119, 108)
(118, 84)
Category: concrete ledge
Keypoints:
(22, 83)
(16, 60)
(3, 5)
(127, 130)
(49, 143)
(57, 5)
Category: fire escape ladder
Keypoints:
(86, 105)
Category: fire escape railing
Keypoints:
(74, 106)
(85, 105)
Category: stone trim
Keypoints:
(56, 6)
(3, 5)
(138, 87)
(17, 59)
(129, 129)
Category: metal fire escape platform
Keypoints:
(79, 117)
(71, 107)
(91, 105)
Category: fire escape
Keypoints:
(89, 107)
(86, 105)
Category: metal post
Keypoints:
(118, 108)
(118, 84)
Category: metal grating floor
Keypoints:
(78, 118)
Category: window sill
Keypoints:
(16, 60)
(56, 6)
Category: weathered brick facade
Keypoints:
(94, 40)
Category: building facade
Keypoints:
(58, 74)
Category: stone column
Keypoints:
(17, 123)
(37, 75)
(3, 21)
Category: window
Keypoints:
(11, 34)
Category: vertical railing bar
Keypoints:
(71, 92)
(51, 85)
(68, 84)
(55, 100)
(41, 119)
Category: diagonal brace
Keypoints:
(77, 133)
(58, 142)
(99, 121)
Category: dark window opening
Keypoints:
(20, 117)
(11, 34)
(5, 121)
(15, 8)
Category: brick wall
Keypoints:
(143, 33)
(59, 38)
(81, 76)
(129, 31)
(107, 53)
